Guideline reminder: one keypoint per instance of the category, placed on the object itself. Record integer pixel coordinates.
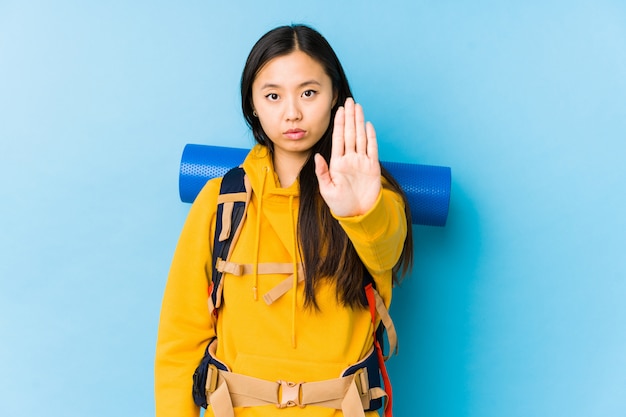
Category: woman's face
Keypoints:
(293, 97)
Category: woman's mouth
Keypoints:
(294, 134)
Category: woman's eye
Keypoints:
(272, 96)
(309, 93)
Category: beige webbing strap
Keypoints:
(229, 267)
(327, 393)
(281, 289)
(246, 391)
(232, 198)
(263, 268)
(383, 313)
(351, 404)
(220, 400)
(377, 392)
(228, 201)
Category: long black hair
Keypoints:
(326, 252)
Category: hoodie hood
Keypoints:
(272, 198)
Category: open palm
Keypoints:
(350, 184)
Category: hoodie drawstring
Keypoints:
(295, 274)
(255, 264)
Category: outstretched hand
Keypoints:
(351, 183)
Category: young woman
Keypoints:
(322, 221)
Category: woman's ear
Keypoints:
(335, 98)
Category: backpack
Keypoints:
(233, 199)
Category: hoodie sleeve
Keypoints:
(185, 323)
(378, 237)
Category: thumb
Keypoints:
(321, 171)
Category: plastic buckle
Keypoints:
(362, 382)
(289, 394)
(211, 380)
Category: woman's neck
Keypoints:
(288, 167)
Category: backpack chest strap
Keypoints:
(265, 269)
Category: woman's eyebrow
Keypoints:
(269, 85)
(303, 84)
(315, 82)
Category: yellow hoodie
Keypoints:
(282, 340)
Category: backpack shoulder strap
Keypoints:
(377, 308)
(232, 204)
(374, 301)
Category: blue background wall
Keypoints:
(516, 308)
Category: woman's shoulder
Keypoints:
(207, 197)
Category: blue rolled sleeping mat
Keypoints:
(427, 187)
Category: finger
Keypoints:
(321, 171)
(338, 141)
(349, 127)
(372, 144)
(361, 136)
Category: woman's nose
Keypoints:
(292, 110)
